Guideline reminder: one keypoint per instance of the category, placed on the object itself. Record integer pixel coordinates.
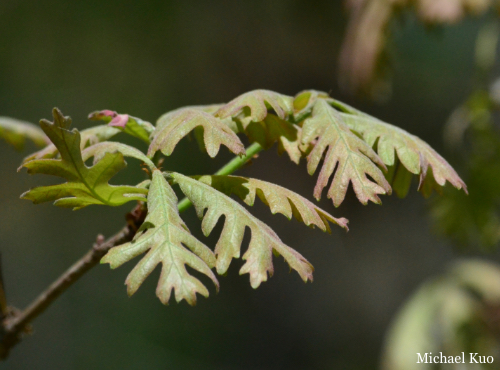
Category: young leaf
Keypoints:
(356, 160)
(400, 178)
(99, 150)
(258, 102)
(415, 154)
(173, 126)
(88, 137)
(130, 125)
(85, 185)
(167, 117)
(15, 132)
(304, 102)
(165, 236)
(279, 199)
(263, 240)
(274, 129)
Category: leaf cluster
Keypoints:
(352, 148)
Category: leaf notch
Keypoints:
(254, 106)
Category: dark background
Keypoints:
(146, 58)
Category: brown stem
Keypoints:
(17, 323)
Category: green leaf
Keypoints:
(130, 125)
(415, 154)
(85, 185)
(274, 129)
(263, 240)
(251, 117)
(88, 136)
(164, 237)
(346, 153)
(99, 150)
(173, 126)
(304, 101)
(254, 105)
(15, 132)
(400, 179)
(277, 198)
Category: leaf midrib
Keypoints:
(349, 158)
(82, 178)
(164, 210)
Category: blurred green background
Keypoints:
(146, 58)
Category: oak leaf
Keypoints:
(88, 137)
(173, 126)
(254, 106)
(348, 158)
(99, 150)
(415, 155)
(274, 129)
(86, 185)
(263, 242)
(277, 198)
(164, 237)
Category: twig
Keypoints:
(17, 323)
(91, 258)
